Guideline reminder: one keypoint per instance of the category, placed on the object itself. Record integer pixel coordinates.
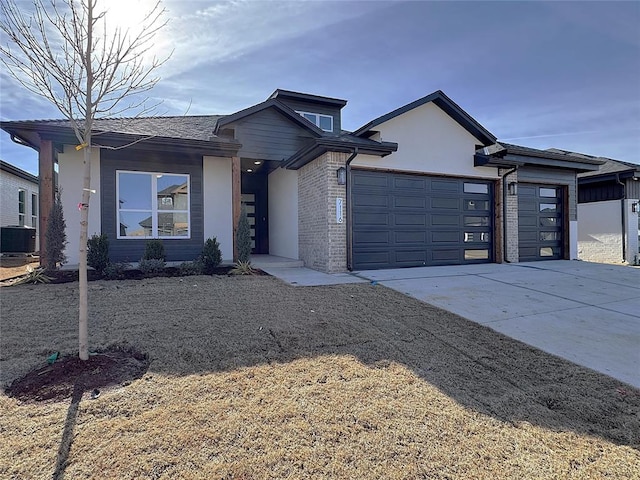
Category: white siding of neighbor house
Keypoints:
(283, 213)
(632, 221)
(10, 184)
(600, 231)
(70, 174)
(218, 215)
(429, 141)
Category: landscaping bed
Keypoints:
(251, 378)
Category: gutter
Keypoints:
(21, 141)
(349, 210)
(623, 216)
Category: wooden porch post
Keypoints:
(236, 198)
(47, 187)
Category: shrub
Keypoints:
(211, 256)
(242, 268)
(154, 250)
(151, 266)
(34, 275)
(98, 252)
(186, 269)
(243, 237)
(56, 236)
(115, 271)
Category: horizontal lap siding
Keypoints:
(131, 250)
(268, 135)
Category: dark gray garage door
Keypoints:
(540, 222)
(403, 220)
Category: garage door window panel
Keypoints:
(476, 188)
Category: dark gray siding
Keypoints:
(553, 177)
(131, 250)
(633, 189)
(316, 108)
(269, 135)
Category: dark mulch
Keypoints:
(67, 276)
(111, 367)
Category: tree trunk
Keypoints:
(83, 312)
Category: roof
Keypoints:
(307, 97)
(18, 172)
(344, 142)
(508, 155)
(447, 105)
(271, 103)
(609, 169)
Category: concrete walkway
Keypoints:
(587, 313)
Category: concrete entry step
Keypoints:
(273, 261)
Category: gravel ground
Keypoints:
(252, 378)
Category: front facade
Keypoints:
(422, 185)
(608, 205)
(19, 203)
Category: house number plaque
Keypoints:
(339, 215)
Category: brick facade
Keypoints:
(322, 241)
(511, 221)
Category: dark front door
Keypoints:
(405, 220)
(540, 222)
(256, 201)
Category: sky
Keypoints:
(537, 74)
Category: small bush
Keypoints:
(115, 271)
(211, 256)
(242, 268)
(243, 237)
(56, 236)
(186, 269)
(34, 275)
(98, 252)
(151, 266)
(154, 250)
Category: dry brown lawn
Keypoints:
(252, 379)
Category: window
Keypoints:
(324, 122)
(21, 207)
(476, 188)
(34, 210)
(548, 192)
(153, 205)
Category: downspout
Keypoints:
(504, 213)
(623, 216)
(349, 209)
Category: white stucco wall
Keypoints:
(218, 213)
(573, 240)
(71, 171)
(283, 213)
(429, 141)
(600, 232)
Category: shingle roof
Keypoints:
(184, 127)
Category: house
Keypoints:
(425, 184)
(18, 198)
(608, 205)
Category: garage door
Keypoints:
(540, 222)
(403, 220)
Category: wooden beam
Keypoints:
(46, 161)
(236, 199)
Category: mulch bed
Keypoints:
(69, 375)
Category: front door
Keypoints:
(256, 202)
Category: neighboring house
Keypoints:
(608, 204)
(422, 185)
(18, 197)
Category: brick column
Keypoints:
(236, 198)
(511, 221)
(322, 240)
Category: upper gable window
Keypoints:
(324, 122)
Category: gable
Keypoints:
(429, 141)
(269, 135)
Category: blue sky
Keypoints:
(539, 74)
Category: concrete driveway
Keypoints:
(588, 313)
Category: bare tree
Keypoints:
(68, 52)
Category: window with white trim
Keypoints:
(22, 206)
(34, 210)
(153, 205)
(323, 122)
